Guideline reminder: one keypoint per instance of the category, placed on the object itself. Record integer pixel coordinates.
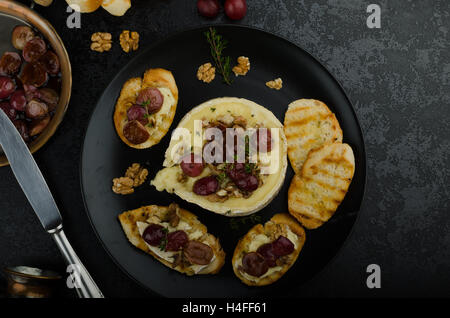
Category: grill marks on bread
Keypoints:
(317, 191)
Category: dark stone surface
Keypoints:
(398, 79)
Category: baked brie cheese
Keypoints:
(175, 237)
(267, 252)
(227, 155)
(145, 108)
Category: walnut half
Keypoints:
(206, 73)
(101, 42)
(134, 177)
(243, 66)
(129, 41)
(275, 84)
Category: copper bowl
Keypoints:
(12, 14)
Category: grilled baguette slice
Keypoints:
(278, 225)
(158, 78)
(129, 220)
(315, 193)
(308, 124)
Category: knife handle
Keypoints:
(84, 284)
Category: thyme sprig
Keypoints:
(218, 44)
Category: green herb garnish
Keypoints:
(163, 244)
(213, 109)
(223, 63)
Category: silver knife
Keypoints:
(38, 194)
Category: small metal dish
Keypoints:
(29, 282)
(12, 14)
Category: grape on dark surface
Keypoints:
(176, 240)
(21, 35)
(18, 100)
(206, 185)
(10, 63)
(9, 111)
(208, 8)
(34, 49)
(235, 9)
(190, 166)
(154, 234)
(7, 87)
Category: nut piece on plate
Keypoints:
(116, 7)
(275, 84)
(129, 41)
(206, 73)
(243, 66)
(44, 3)
(137, 173)
(134, 177)
(84, 6)
(101, 42)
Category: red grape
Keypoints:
(137, 112)
(235, 9)
(34, 49)
(7, 87)
(10, 112)
(154, 234)
(18, 100)
(190, 167)
(208, 8)
(176, 240)
(206, 185)
(21, 35)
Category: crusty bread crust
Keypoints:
(315, 194)
(157, 77)
(309, 124)
(129, 219)
(244, 242)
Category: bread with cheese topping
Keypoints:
(190, 224)
(280, 224)
(158, 78)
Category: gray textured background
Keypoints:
(398, 79)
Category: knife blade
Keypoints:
(28, 175)
(38, 194)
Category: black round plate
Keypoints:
(105, 157)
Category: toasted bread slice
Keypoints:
(315, 194)
(158, 78)
(191, 225)
(308, 124)
(280, 224)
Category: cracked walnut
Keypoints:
(134, 177)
